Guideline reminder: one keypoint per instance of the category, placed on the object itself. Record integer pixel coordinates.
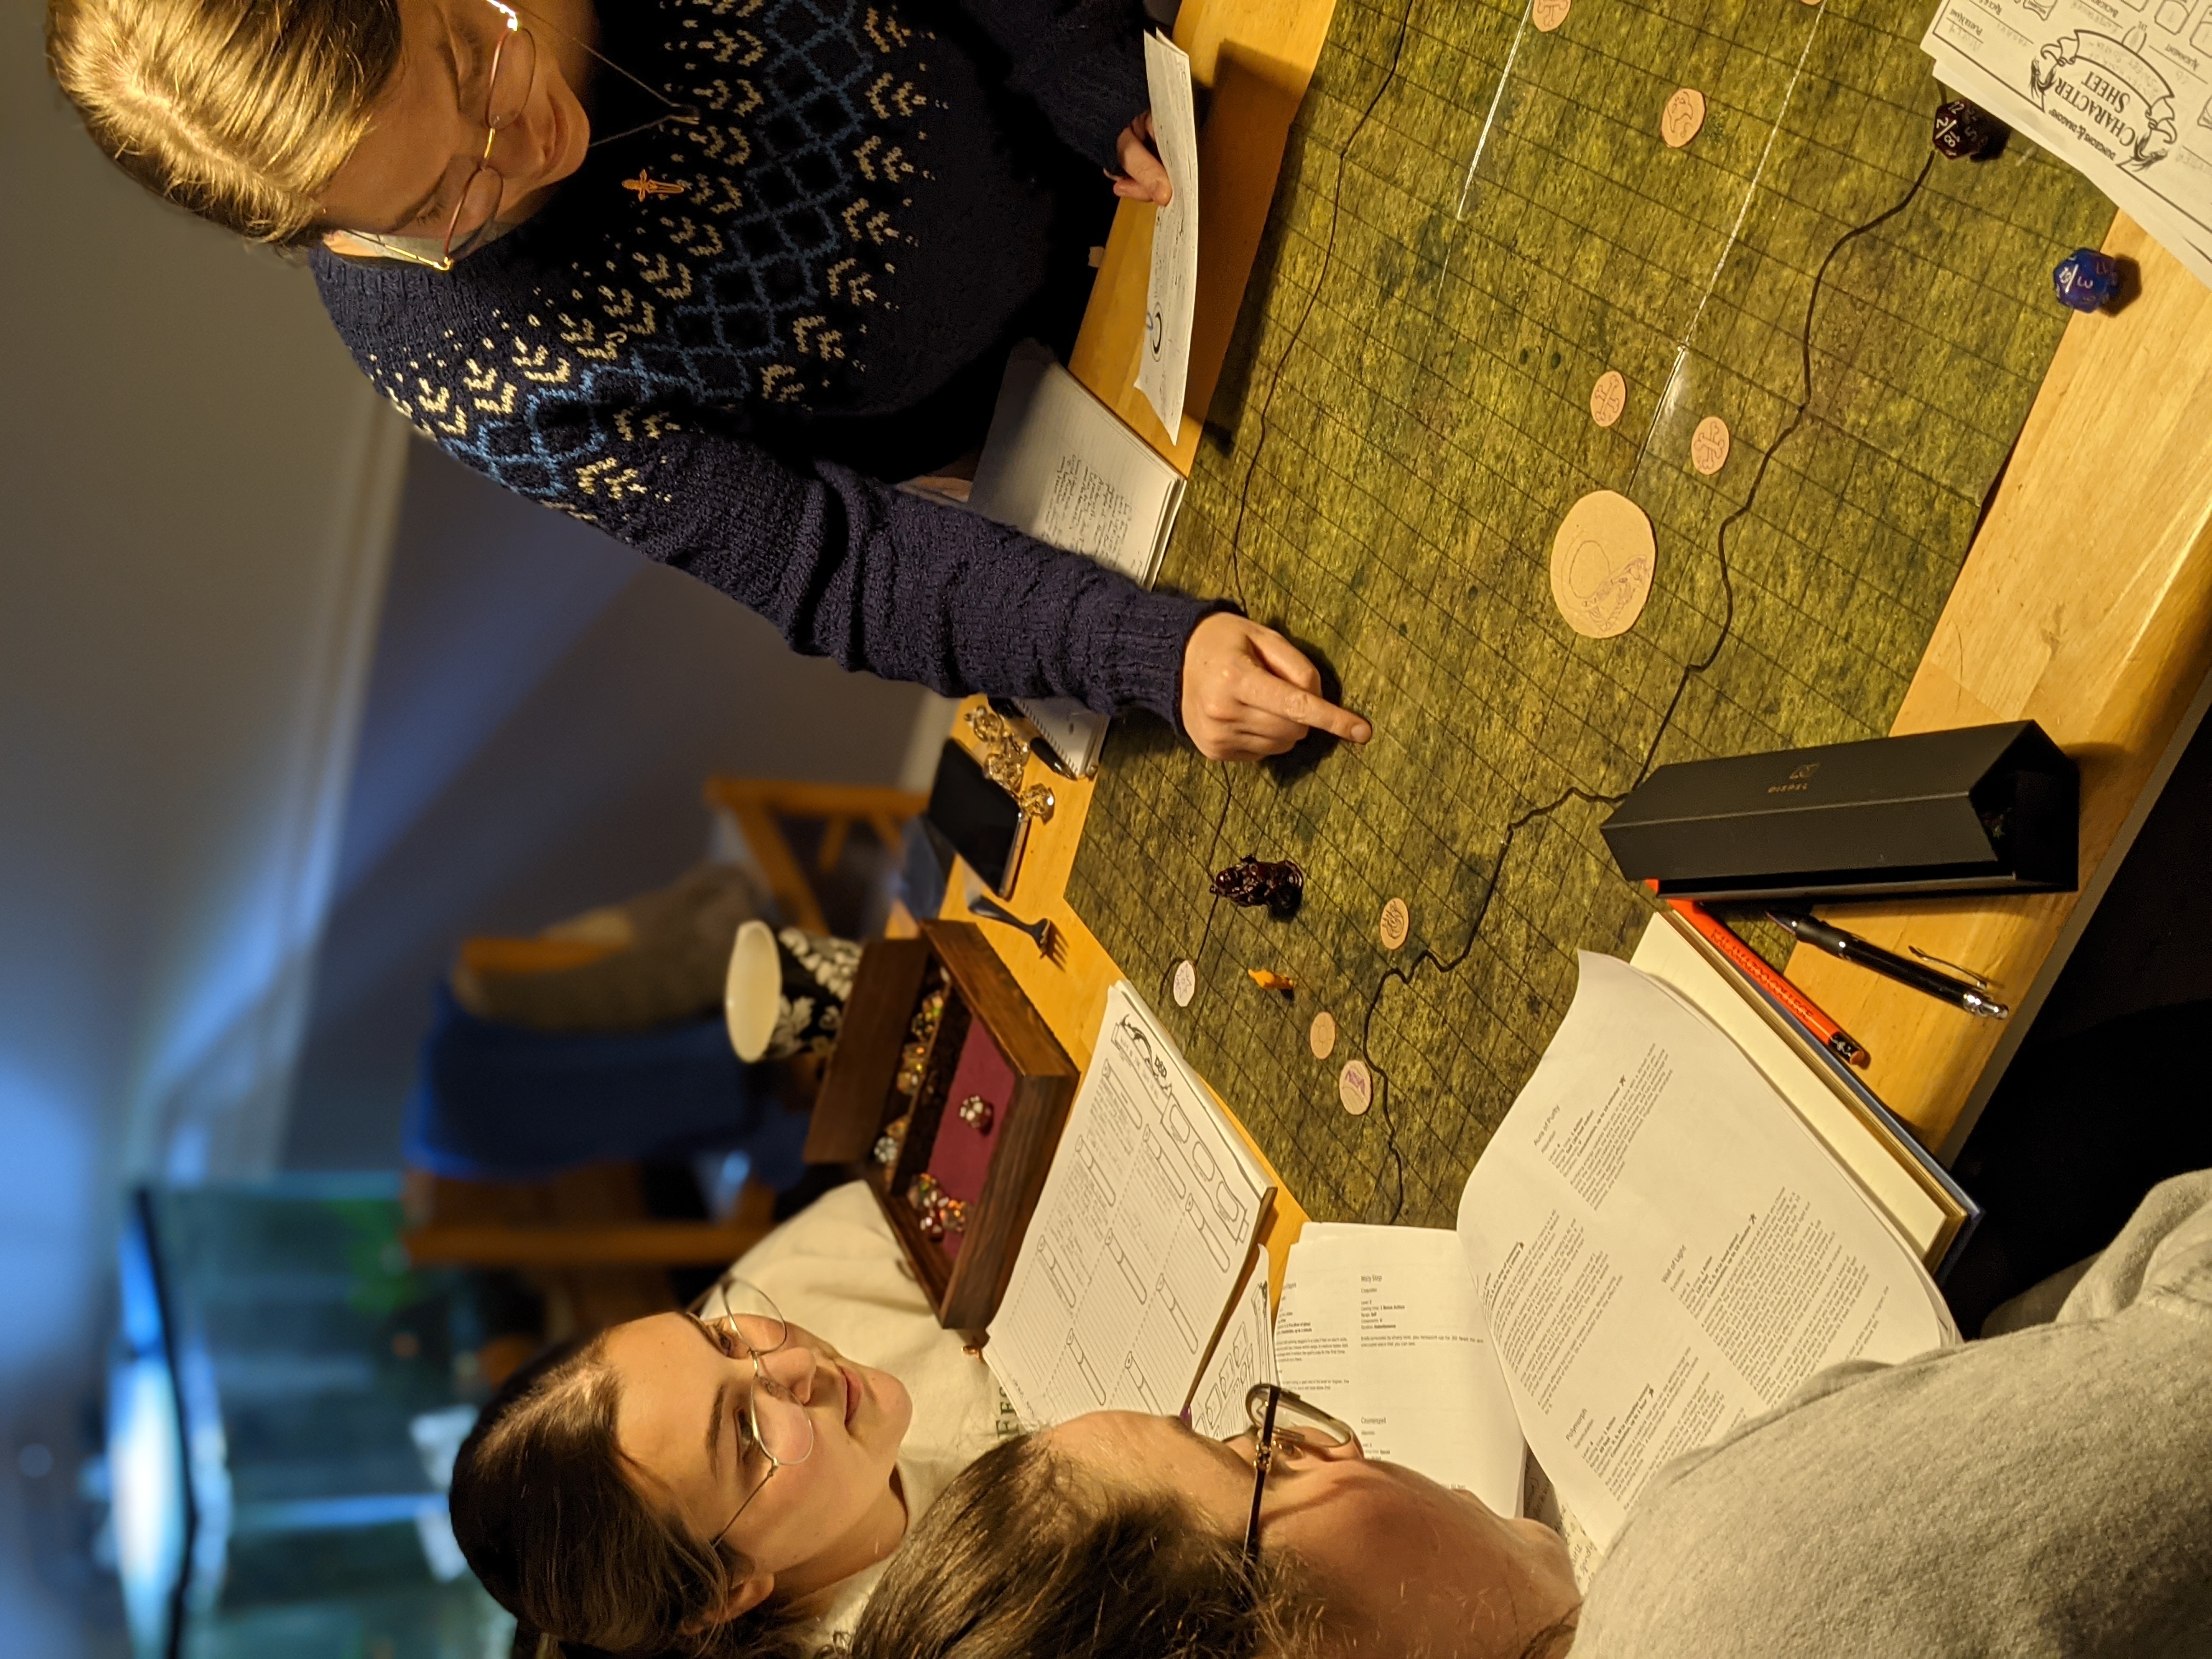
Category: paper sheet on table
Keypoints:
(1381, 1326)
(2126, 99)
(1172, 295)
(1062, 465)
(1663, 1249)
(1140, 1237)
(1244, 1355)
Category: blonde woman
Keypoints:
(707, 273)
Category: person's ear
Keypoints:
(741, 1598)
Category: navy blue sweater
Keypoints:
(722, 376)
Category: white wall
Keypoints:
(196, 485)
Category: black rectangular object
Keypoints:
(969, 815)
(1984, 809)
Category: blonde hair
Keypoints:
(243, 111)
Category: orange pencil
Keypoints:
(1753, 966)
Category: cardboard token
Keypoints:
(1684, 114)
(1186, 982)
(1397, 923)
(1709, 445)
(1355, 1087)
(1602, 561)
(1548, 15)
(1321, 1036)
(1608, 398)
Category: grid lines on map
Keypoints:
(1457, 251)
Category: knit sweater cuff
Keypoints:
(1139, 663)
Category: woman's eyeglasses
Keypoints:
(739, 1319)
(506, 94)
(1283, 1423)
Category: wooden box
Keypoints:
(891, 1103)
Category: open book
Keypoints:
(1664, 1247)
(1682, 1217)
(1061, 464)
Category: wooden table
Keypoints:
(2086, 603)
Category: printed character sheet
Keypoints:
(1244, 1355)
(2121, 89)
(1663, 1249)
(1141, 1236)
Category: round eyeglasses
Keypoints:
(507, 93)
(741, 1320)
(1282, 1422)
(507, 81)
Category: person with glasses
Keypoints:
(2044, 1490)
(726, 1481)
(711, 274)
(1125, 1534)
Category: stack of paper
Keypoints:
(2123, 92)
(1171, 294)
(1381, 1325)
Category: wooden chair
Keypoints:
(584, 1239)
(762, 807)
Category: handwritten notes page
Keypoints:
(1062, 465)
(1381, 1325)
(1171, 296)
(1140, 1238)
(1662, 1248)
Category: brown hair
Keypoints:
(553, 1525)
(1020, 1558)
(1026, 1556)
(243, 111)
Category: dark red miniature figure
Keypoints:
(1279, 886)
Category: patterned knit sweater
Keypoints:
(720, 373)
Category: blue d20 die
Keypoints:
(2086, 279)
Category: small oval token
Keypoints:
(1608, 398)
(1684, 114)
(1709, 445)
(1186, 982)
(1397, 923)
(1548, 15)
(1602, 559)
(1321, 1036)
(1355, 1087)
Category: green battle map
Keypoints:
(1477, 218)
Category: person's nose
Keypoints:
(795, 1369)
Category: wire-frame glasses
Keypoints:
(1282, 1422)
(742, 1321)
(507, 92)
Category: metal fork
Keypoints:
(1041, 930)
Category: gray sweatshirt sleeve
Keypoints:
(2047, 1493)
